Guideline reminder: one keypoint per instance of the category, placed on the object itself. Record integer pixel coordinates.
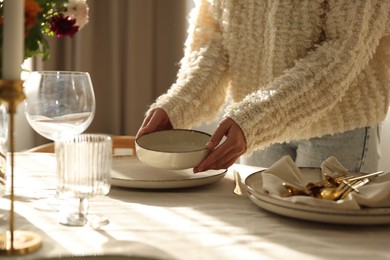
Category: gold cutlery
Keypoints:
(355, 187)
(338, 192)
(369, 176)
(337, 181)
(237, 179)
(333, 187)
(294, 190)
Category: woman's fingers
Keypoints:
(218, 135)
(220, 159)
(225, 154)
(141, 130)
(155, 120)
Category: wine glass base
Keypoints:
(97, 221)
(73, 211)
(74, 219)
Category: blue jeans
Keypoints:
(357, 150)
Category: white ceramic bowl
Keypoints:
(174, 149)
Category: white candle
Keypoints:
(13, 39)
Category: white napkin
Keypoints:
(374, 194)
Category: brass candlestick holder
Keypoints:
(15, 242)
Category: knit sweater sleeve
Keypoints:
(319, 80)
(200, 88)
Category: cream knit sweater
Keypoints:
(295, 69)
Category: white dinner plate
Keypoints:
(364, 216)
(130, 172)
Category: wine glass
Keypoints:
(58, 106)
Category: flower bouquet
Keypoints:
(48, 18)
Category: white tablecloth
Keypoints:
(207, 222)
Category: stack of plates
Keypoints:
(130, 172)
(363, 216)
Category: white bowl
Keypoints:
(174, 149)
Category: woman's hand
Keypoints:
(156, 120)
(223, 155)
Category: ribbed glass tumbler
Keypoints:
(83, 171)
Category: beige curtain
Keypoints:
(131, 48)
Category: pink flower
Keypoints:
(78, 9)
(62, 26)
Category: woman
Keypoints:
(308, 78)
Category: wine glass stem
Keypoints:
(83, 207)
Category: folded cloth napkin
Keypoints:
(374, 194)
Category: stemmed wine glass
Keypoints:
(58, 106)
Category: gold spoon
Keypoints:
(332, 193)
(336, 193)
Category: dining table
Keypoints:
(207, 221)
